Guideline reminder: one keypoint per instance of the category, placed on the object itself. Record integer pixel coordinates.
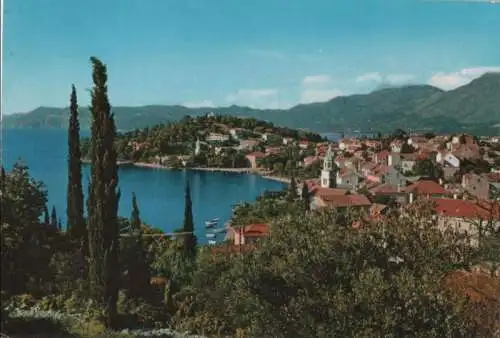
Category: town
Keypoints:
(459, 174)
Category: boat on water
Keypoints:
(214, 220)
(210, 235)
(210, 224)
(212, 242)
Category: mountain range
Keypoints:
(472, 108)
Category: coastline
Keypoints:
(261, 173)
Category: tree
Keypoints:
(305, 195)
(46, 216)
(190, 241)
(428, 168)
(74, 208)
(318, 277)
(53, 218)
(103, 199)
(292, 187)
(138, 269)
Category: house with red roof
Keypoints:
(426, 189)
(254, 157)
(466, 215)
(247, 234)
(341, 201)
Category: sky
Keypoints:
(258, 53)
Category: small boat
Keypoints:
(210, 235)
(209, 224)
(212, 242)
(215, 220)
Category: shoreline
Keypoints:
(261, 173)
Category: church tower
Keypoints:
(329, 172)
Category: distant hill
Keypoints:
(474, 107)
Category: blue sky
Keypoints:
(261, 53)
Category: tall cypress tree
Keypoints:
(292, 187)
(305, 195)
(103, 199)
(53, 217)
(138, 268)
(74, 208)
(46, 216)
(190, 240)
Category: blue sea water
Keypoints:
(160, 193)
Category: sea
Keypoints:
(160, 192)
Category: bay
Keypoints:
(160, 193)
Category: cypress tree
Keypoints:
(74, 208)
(103, 199)
(305, 196)
(292, 187)
(138, 271)
(53, 217)
(46, 217)
(190, 240)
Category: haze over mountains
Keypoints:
(473, 108)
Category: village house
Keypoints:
(248, 144)
(386, 192)
(217, 137)
(247, 234)
(254, 158)
(287, 140)
(425, 189)
(484, 186)
(465, 216)
(332, 201)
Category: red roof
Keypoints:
(347, 201)
(426, 187)
(256, 230)
(326, 193)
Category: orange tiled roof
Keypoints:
(426, 187)
(347, 201)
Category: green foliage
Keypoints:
(134, 259)
(428, 168)
(316, 278)
(103, 200)
(188, 227)
(74, 208)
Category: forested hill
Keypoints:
(474, 108)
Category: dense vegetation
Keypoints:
(472, 108)
(179, 138)
(314, 276)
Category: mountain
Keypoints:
(474, 107)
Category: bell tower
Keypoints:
(329, 172)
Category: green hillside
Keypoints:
(474, 107)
